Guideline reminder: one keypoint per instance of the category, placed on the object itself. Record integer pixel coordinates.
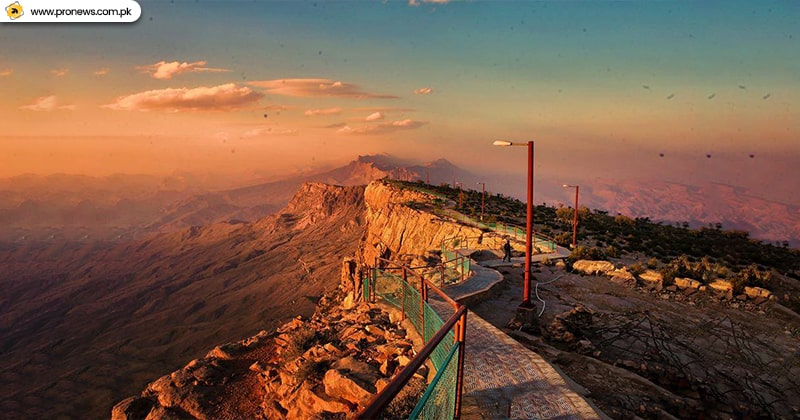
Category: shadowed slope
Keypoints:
(83, 325)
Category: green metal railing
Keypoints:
(444, 343)
(540, 241)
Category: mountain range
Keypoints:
(120, 207)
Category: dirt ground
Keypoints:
(650, 354)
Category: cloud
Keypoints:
(101, 71)
(316, 87)
(268, 131)
(59, 72)
(276, 107)
(167, 70)
(47, 103)
(423, 91)
(326, 111)
(417, 2)
(225, 97)
(375, 116)
(382, 128)
(6, 72)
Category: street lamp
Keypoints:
(483, 198)
(575, 219)
(526, 292)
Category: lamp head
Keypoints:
(502, 143)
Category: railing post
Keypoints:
(403, 306)
(461, 265)
(461, 337)
(423, 294)
(374, 281)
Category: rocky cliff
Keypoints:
(400, 223)
(332, 363)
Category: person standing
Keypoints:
(507, 251)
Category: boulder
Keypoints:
(568, 326)
(308, 404)
(721, 286)
(227, 351)
(757, 292)
(686, 283)
(132, 408)
(592, 267)
(623, 277)
(346, 386)
(652, 279)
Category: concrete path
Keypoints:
(503, 378)
(536, 258)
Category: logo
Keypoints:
(14, 10)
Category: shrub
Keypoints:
(301, 340)
(405, 401)
(586, 253)
(637, 268)
(312, 370)
(611, 251)
(652, 263)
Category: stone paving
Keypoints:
(503, 378)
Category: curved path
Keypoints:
(503, 378)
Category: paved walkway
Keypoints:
(503, 378)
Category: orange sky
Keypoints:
(284, 91)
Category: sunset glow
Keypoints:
(619, 89)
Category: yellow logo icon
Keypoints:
(14, 10)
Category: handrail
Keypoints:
(430, 284)
(457, 322)
(382, 399)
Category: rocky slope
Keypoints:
(84, 325)
(330, 365)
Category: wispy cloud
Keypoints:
(101, 71)
(383, 128)
(59, 72)
(167, 70)
(268, 131)
(316, 87)
(375, 116)
(225, 97)
(276, 107)
(326, 111)
(6, 72)
(47, 103)
(417, 2)
(423, 91)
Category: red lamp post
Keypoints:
(526, 292)
(575, 218)
(483, 198)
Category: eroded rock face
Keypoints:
(394, 228)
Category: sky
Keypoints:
(605, 89)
